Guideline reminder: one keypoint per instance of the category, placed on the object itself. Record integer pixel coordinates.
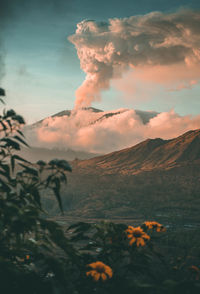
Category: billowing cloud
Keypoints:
(102, 132)
(157, 47)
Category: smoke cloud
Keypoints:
(102, 132)
(156, 44)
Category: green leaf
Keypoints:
(9, 123)
(2, 101)
(64, 165)
(10, 113)
(63, 178)
(6, 167)
(11, 143)
(20, 140)
(30, 170)
(5, 174)
(19, 119)
(12, 163)
(48, 180)
(20, 158)
(4, 186)
(56, 191)
(54, 162)
(36, 196)
(2, 92)
(20, 132)
(41, 163)
(3, 125)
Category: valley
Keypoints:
(155, 179)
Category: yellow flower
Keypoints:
(99, 270)
(195, 270)
(136, 235)
(155, 225)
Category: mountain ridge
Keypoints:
(145, 116)
(155, 178)
(147, 155)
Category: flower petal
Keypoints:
(92, 265)
(132, 241)
(145, 236)
(108, 271)
(130, 236)
(97, 276)
(140, 241)
(103, 276)
(91, 273)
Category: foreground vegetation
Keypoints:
(38, 256)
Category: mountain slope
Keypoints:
(148, 155)
(155, 179)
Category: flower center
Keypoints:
(100, 269)
(137, 233)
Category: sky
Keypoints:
(41, 71)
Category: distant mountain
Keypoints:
(34, 154)
(63, 113)
(66, 131)
(146, 156)
(145, 116)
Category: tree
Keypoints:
(28, 241)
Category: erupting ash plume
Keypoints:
(157, 42)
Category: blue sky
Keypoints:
(41, 65)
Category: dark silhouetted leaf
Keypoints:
(4, 186)
(36, 196)
(12, 163)
(2, 92)
(64, 165)
(21, 140)
(19, 119)
(54, 162)
(6, 167)
(2, 101)
(11, 143)
(20, 132)
(3, 125)
(41, 163)
(30, 170)
(20, 158)
(10, 113)
(56, 191)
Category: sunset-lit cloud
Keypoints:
(142, 84)
(101, 132)
(157, 48)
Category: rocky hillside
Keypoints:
(146, 156)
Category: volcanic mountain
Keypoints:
(146, 156)
(80, 130)
(99, 115)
